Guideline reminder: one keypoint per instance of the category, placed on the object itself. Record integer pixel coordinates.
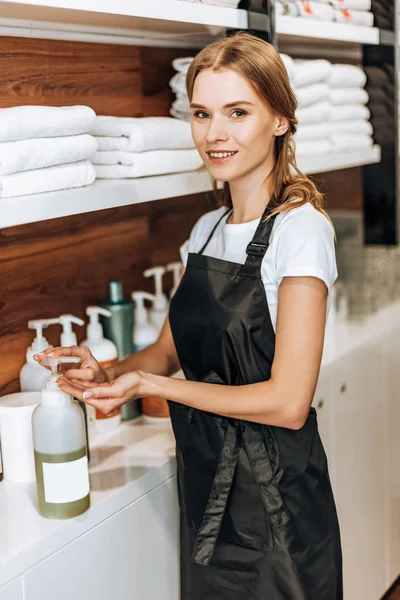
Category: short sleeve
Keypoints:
(199, 233)
(306, 246)
(184, 252)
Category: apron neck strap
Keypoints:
(214, 230)
(258, 246)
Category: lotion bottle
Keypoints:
(61, 458)
(158, 312)
(106, 354)
(33, 375)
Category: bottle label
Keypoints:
(67, 481)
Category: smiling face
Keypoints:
(233, 129)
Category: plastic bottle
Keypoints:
(61, 460)
(158, 312)
(33, 375)
(154, 409)
(106, 354)
(176, 268)
(119, 329)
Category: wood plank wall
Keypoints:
(62, 265)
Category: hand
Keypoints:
(88, 371)
(106, 396)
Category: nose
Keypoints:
(216, 131)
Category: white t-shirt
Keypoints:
(301, 244)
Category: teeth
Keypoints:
(221, 154)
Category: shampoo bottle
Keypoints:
(154, 409)
(61, 460)
(33, 375)
(106, 354)
(158, 312)
(118, 328)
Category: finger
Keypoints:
(73, 390)
(104, 390)
(82, 383)
(81, 351)
(84, 374)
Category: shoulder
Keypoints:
(203, 227)
(302, 224)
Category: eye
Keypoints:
(242, 112)
(200, 112)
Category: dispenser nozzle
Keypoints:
(94, 329)
(161, 301)
(54, 362)
(40, 343)
(140, 309)
(68, 337)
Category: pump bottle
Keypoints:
(61, 460)
(176, 268)
(158, 313)
(106, 354)
(33, 375)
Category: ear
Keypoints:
(281, 126)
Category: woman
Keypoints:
(258, 516)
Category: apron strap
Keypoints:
(209, 529)
(258, 246)
(214, 230)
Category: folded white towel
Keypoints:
(307, 72)
(147, 133)
(182, 64)
(23, 122)
(181, 103)
(177, 83)
(349, 96)
(313, 148)
(289, 64)
(314, 113)
(287, 8)
(348, 112)
(313, 131)
(361, 5)
(342, 76)
(59, 177)
(181, 115)
(354, 17)
(310, 94)
(341, 141)
(279, 9)
(37, 153)
(315, 10)
(349, 127)
(143, 164)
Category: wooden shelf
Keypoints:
(157, 22)
(104, 194)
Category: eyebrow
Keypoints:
(229, 105)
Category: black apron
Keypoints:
(258, 518)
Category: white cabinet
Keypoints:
(359, 455)
(131, 556)
(12, 590)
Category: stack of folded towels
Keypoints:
(332, 113)
(140, 147)
(380, 87)
(355, 12)
(224, 3)
(45, 148)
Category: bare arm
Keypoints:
(284, 400)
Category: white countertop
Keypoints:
(128, 464)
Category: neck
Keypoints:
(250, 195)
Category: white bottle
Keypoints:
(68, 336)
(158, 313)
(144, 333)
(33, 375)
(106, 354)
(176, 268)
(59, 441)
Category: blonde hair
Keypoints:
(259, 63)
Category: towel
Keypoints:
(181, 115)
(50, 179)
(354, 17)
(361, 127)
(312, 9)
(342, 76)
(287, 8)
(379, 110)
(310, 94)
(342, 142)
(289, 64)
(23, 122)
(362, 5)
(177, 83)
(111, 165)
(314, 113)
(313, 131)
(182, 64)
(377, 76)
(348, 112)
(146, 133)
(307, 72)
(313, 148)
(37, 153)
(349, 96)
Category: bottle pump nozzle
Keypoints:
(95, 329)
(40, 343)
(68, 337)
(141, 317)
(160, 301)
(51, 383)
(176, 268)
